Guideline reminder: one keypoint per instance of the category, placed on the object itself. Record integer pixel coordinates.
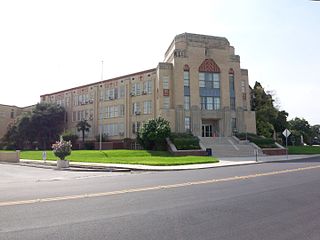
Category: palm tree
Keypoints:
(83, 126)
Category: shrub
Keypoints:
(68, 136)
(260, 141)
(153, 134)
(61, 149)
(184, 141)
(89, 145)
(104, 137)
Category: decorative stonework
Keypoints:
(209, 65)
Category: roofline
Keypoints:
(6, 105)
(103, 81)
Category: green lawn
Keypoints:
(304, 150)
(156, 158)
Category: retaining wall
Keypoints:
(13, 157)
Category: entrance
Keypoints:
(206, 130)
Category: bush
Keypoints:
(260, 141)
(89, 145)
(184, 141)
(153, 134)
(61, 149)
(104, 137)
(68, 136)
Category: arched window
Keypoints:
(186, 75)
(209, 83)
(231, 88)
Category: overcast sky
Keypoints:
(47, 46)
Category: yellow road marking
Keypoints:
(160, 187)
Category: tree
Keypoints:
(269, 118)
(300, 127)
(153, 134)
(43, 125)
(315, 134)
(47, 120)
(83, 126)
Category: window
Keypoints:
(201, 79)
(210, 103)
(244, 94)
(165, 82)
(136, 108)
(216, 102)
(232, 103)
(186, 102)
(121, 110)
(209, 80)
(136, 89)
(74, 116)
(243, 87)
(113, 129)
(216, 80)
(136, 127)
(231, 89)
(147, 107)
(233, 124)
(147, 87)
(186, 78)
(187, 124)
(122, 91)
(166, 102)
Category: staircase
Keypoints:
(229, 147)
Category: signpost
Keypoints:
(286, 133)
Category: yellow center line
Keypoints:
(160, 187)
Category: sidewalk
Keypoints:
(224, 162)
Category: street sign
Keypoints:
(286, 133)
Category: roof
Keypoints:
(100, 82)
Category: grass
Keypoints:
(304, 150)
(155, 158)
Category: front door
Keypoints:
(206, 130)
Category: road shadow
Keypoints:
(315, 159)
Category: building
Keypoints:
(9, 115)
(199, 87)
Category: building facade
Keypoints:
(198, 88)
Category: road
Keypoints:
(264, 201)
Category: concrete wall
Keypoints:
(13, 157)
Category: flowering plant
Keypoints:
(61, 149)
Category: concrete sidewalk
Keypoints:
(224, 162)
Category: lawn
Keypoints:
(155, 158)
(304, 150)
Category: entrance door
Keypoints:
(206, 130)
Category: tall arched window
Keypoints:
(186, 75)
(186, 84)
(209, 84)
(231, 88)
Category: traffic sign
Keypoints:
(286, 133)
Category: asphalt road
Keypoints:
(266, 201)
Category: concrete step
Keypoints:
(229, 147)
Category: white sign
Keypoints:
(286, 133)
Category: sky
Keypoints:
(48, 46)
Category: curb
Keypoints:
(97, 168)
